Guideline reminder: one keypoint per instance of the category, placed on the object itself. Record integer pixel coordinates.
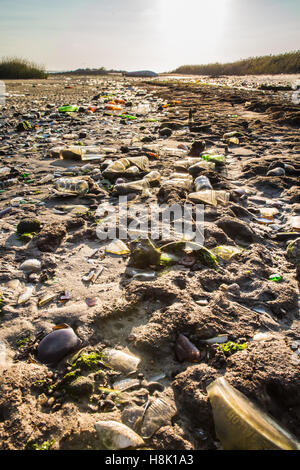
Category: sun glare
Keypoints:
(196, 18)
(191, 29)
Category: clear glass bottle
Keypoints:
(72, 185)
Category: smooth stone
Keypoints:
(57, 344)
(165, 132)
(276, 172)
(31, 266)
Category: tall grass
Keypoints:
(15, 68)
(265, 65)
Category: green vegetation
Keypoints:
(15, 68)
(166, 260)
(23, 126)
(37, 383)
(207, 258)
(107, 185)
(88, 71)
(92, 361)
(21, 343)
(115, 395)
(230, 347)
(69, 376)
(26, 237)
(1, 302)
(271, 64)
(46, 445)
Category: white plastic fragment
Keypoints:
(120, 360)
(26, 294)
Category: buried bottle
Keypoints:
(198, 167)
(120, 360)
(68, 109)
(181, 176)
(132, 171)
(202, 183)
(153, 177)
(144, 254)
(241, 425)
(124, 166)
(46, 179)
(139, 186)
(7, 183)
(268, 212)
(116, 168)
(5, 211)
(72, 185)
(192, 161)
(127, 116)
(179, 180)
(275, 277)
(210, 197)
(77, 152)
(141, 162)
(117, 247)
(226, 252)
(140, 274)
(220, 159)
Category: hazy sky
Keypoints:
(157, 35)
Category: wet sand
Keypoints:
(145, 318)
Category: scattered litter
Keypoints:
(116, 436)
(120, 360)
(240, 425)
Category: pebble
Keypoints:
(154, 386)
(31, 265)
(57, 344)
(51, 401)
(276, 172)
(202, 302)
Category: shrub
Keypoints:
(15, 68)
(271, 64)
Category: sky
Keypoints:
(158, 35)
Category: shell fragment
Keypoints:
(115, 436)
